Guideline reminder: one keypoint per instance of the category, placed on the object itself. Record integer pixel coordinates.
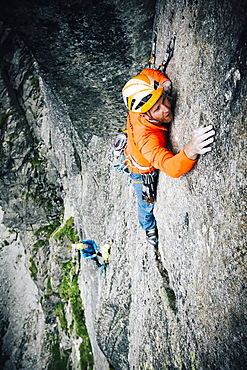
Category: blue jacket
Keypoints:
(90, 250)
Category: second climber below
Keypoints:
(147, 97)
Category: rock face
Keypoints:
(63, 65)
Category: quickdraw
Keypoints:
(168, 54)
(152, 59)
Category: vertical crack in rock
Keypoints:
(166, 281)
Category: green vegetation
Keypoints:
(49, 286)
(36, 96)
(77, 308)
(36, 161)
(47, 230)
(40, 243)
(66, 283)
(58, 361)
(42, 199)
(69, 231)
(59, 312)
(86, 357)
(195, 363)
(13, 136)
(36, 86)
(70, 292)
(35, 82)
(33, 268)
(4, 117)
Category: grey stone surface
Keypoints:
(63, 65)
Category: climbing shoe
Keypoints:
(152, 236)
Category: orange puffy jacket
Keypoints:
(147, 144)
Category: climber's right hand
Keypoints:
(201, 138)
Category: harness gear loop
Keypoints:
(140, 167)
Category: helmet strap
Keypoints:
(148, 116)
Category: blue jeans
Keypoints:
(145, 210)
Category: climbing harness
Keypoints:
(127, 162)
(151, 168)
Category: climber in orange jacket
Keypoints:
(148, 98)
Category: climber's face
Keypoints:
(161, 110)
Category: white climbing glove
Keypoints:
(167, 87)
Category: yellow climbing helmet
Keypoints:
(141, 93)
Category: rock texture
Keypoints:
(183, 306)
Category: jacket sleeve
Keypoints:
(164, 160)
(157, 75)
